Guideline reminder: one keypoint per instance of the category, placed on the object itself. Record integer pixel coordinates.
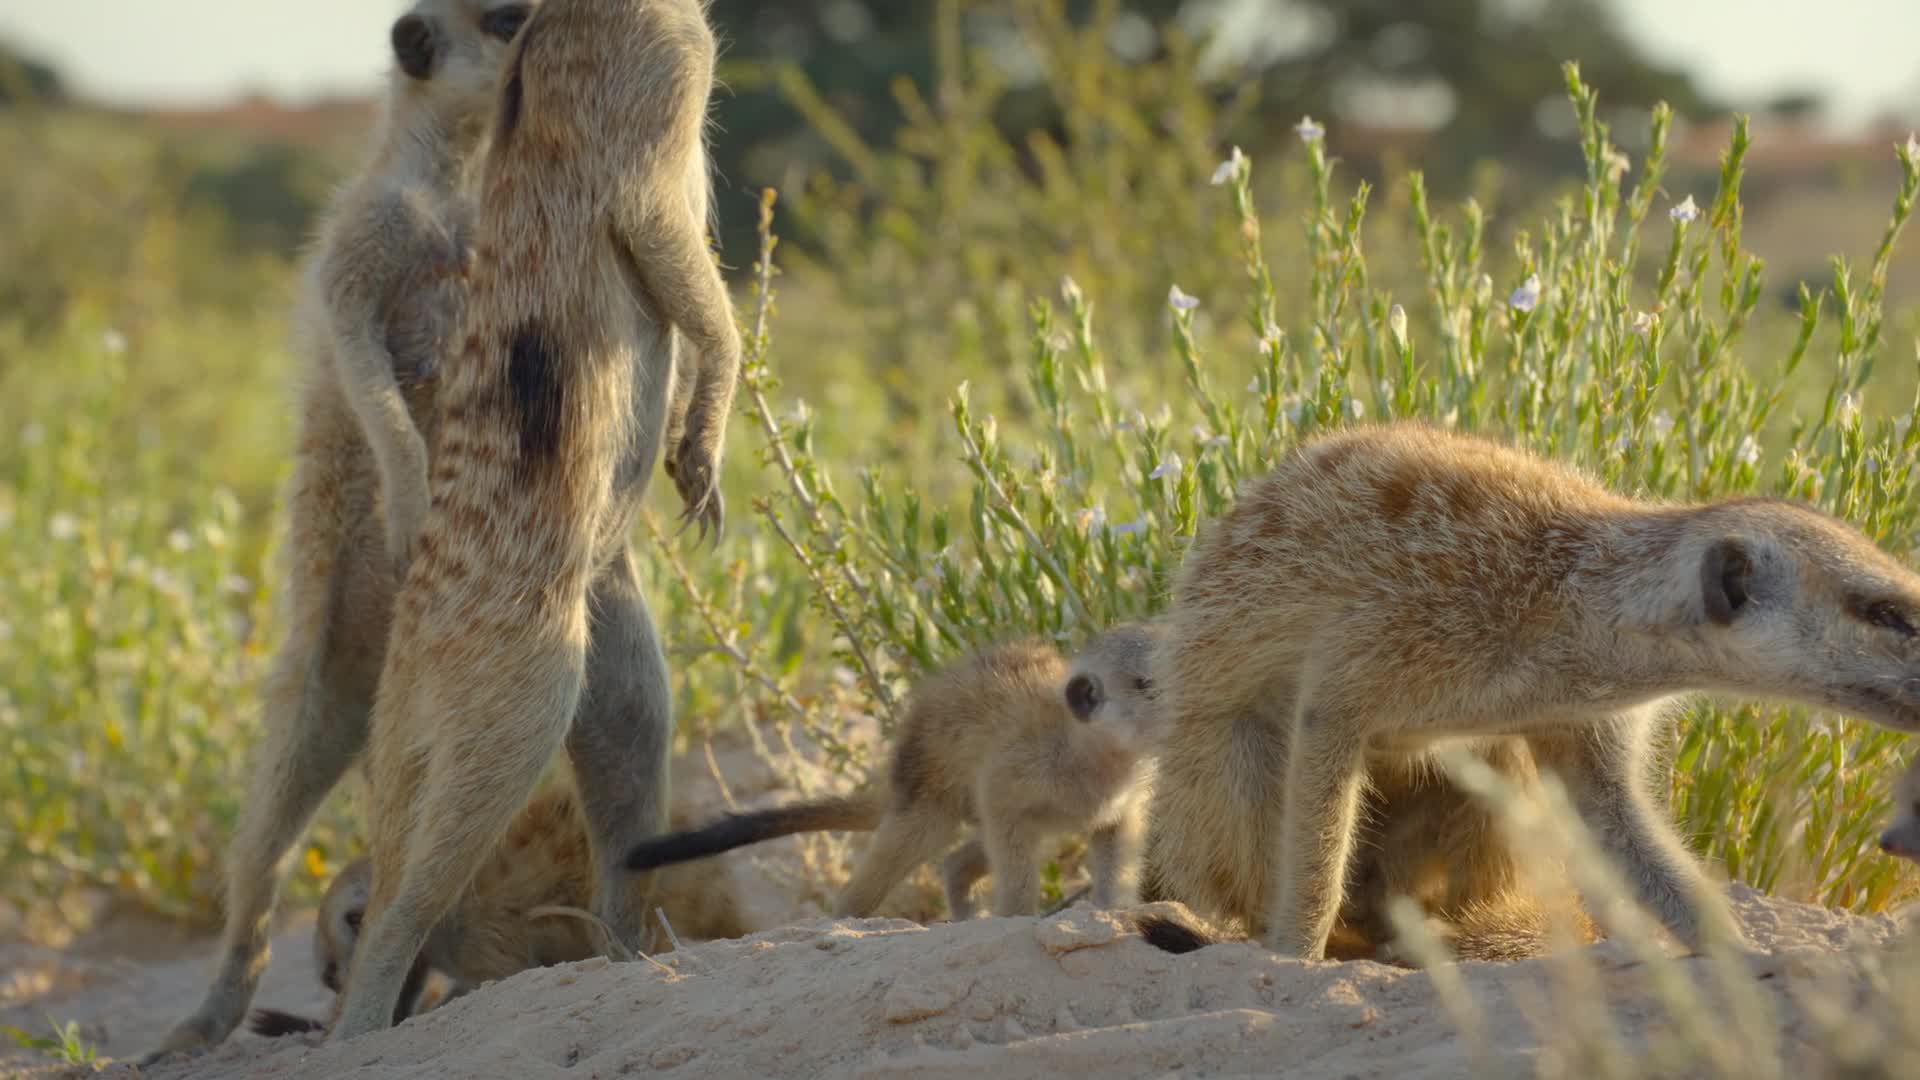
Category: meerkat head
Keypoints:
(1800, 605)
(338, 928)
(1902, 835)
(450, 52)
(1110, 683)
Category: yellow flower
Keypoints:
(316, 863)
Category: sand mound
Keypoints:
(1033, 997)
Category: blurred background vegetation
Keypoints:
(941, 165)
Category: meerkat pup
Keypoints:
(382, 292)
(590, 262)
(1386, 589)
(1902, 835)
(1012, 740)
(499, 927)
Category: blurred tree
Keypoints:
(1484, 73)
(23, 78)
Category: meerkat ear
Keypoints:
(1726, 579)
(1083, 696)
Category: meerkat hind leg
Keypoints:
(313, 735)
(1013, 851)
(905, 839)
(619, 744)
(1325, 777)
(493, 733)
(963, 868)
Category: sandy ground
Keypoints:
(1078, 992)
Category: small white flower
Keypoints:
(1913, 148)
(1900, 427)
(63, 526)
(163, 581)
(1253, 385)
(33, 434)
(1397, 324)
(1131, 528)
(1749, 452)
(1070, 289)
(1617, 162)
(1270, 346)
(1229, 169)
(1482, 289)
(1169, 466)
(1621, 443)
(1848, 410)
(1295, 409)
(1356, 407)
(114, 342)
(844, 675)
(1180, 301)
(1308, 130)
(1660, 424)
(1527, 296)
(1872, 465)
(1686, 211)
(178, 540)
(1643, 323)
(1090, 518)
(6, 630)
(1131, 423)
(235, 585)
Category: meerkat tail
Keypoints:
(273, 1023)
(858, 812)
(1172, 935)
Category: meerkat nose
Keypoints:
(413, 46)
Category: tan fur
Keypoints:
(1012, 740)
(381, 295)
(544, 860)
(1387, 589)
(1902, 835)
(590, 260)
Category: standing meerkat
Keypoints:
(1013, 740)
(1386, 589)
(382, 293)
(498, 928)
(590, 261)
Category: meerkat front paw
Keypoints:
(405, 518)
(695, 471)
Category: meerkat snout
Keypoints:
(413, 46)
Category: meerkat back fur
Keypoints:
(498, 927)
(382, 291)
(590, 266)
(1013, 740)
(1386, 589)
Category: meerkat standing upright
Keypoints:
(1385, 589)
(1012, 739)
(382, 292)
(590, 259)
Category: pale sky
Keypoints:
(1865, 54)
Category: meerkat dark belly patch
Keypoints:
(539, 394)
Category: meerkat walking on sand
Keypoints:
(1012, 739)
(590, 261)
(382, 294)
(498, 927)
(1387, 589)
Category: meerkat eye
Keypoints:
(1884, 614)
(504, 22)
(353, 920)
